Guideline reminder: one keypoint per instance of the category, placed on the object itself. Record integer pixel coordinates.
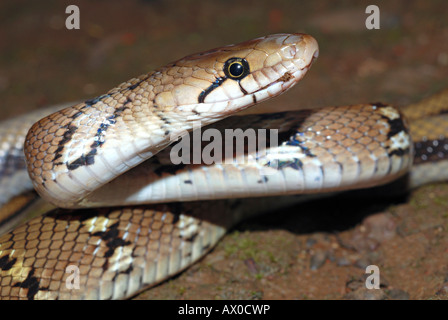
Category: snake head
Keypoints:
(211, 85)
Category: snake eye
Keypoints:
(236, 68)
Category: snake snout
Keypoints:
(302, 50)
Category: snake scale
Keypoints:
(74, 156)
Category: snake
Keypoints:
(121, 217)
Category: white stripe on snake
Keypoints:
(76, 158)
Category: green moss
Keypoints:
(181, 291)
(241, 246)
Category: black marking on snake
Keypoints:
(242, 89)
(294, 163)
(6, 263)
(127, 271)
(66, 137)
(212, 87)
(395, 127)
(162, 117)
(32, 284)
(76, 115)
(264, 179)
(431, 150)
(68, 134)
(112, 240)
(89, 158)
(293, 141)
(191, 237)
(58, 154)
(398, 152)
(132, 87)
(93, 101)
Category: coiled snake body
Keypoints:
(74, 155)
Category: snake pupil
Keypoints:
(236, 68)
